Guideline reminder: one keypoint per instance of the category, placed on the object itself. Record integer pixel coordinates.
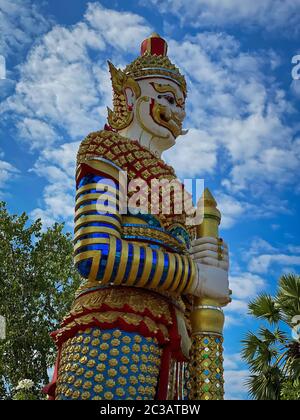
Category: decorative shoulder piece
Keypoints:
(126, 154)
(122, 114)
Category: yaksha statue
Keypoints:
(147, 321)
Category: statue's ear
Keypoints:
(126, 91)
(130, 98)
(121, 81)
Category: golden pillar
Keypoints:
(207, 319)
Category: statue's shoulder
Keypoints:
(102, 144)
(127, 154)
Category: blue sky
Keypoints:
(243, 116)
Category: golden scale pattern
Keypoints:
(138, 300)
(206, 368)
(137, 161)
(108, 365)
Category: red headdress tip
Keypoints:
(154, 45)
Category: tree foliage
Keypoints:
(290, 390)
(27, 390)
(272, 355)
(37, 285)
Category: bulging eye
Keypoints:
(170, 99)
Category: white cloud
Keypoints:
(262, 263)
(57, 165)
(195, 151)
(270, 15)
(36, 132)
(121, 30)
(63, 93)
(235, 384)
(232, 361)
(232, 321)
(231, 209)
(63, 90)
(235, 376)
(7, 173)
(246, 286)
(288, 271)
(64, 83)
(295, 88)
(20, 22)
(262, 257)
(294, 249)
(272, 162)
(259, 245)
(239, 209)
(234, 110)
(239, 111)
(6, 170)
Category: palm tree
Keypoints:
(272, 355)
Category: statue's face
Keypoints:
(160, 109)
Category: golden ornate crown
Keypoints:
(153, 61)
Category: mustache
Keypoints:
(166, 118)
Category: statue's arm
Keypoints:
(100, 252)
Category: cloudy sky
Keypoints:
(243, 117)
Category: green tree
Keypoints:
(37, 285)
(273, 355)
(290, 390)
(27, 390)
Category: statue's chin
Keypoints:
(170, 142)
(162, 144)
